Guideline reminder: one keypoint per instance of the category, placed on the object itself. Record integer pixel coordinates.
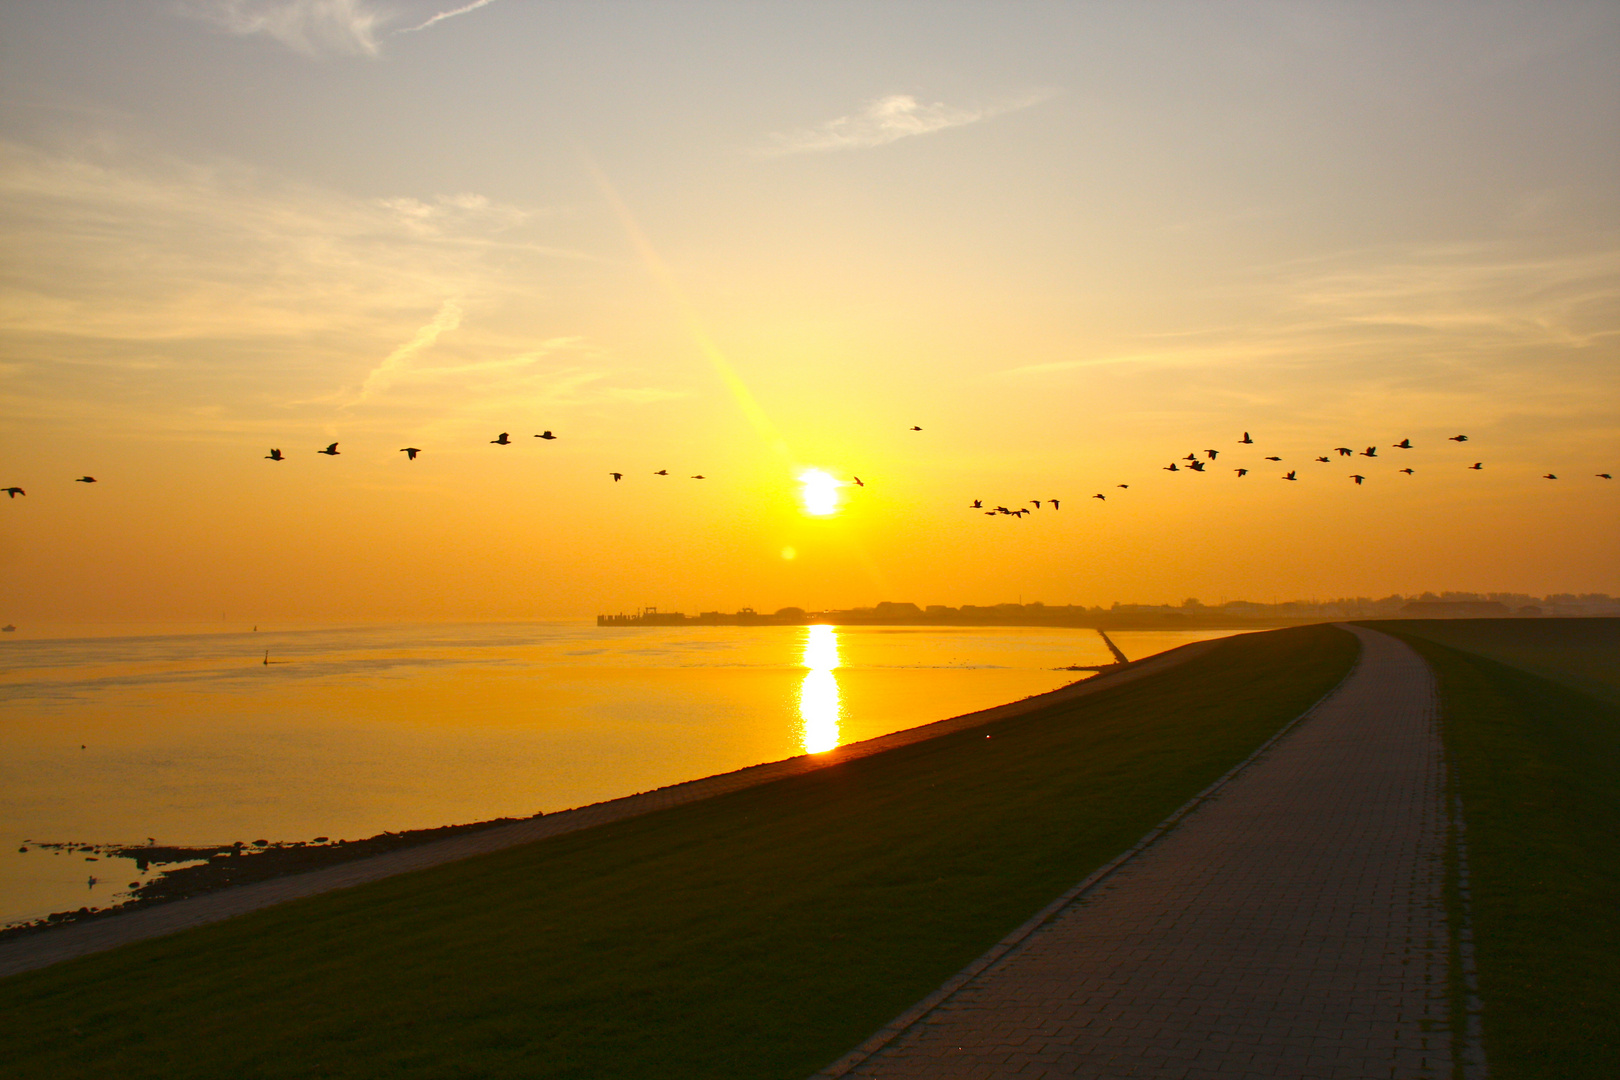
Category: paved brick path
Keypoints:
(62, 943)
(1290, 926)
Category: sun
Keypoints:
(819, 492)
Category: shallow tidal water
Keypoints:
(193, 739)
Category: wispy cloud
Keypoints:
(383, 375)
(317, 27)
(448, 212)
(221, 282)
(1416, 308)
(885, 120)
(1480, 291)
(443, 15)
(311, 27)
(531, 375)
(117, 245)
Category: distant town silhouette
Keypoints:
(1191, 613)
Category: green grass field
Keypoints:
(1583, 654)
(759, 934)
(1536, 761)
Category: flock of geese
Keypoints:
(503, 439)
(1191, 463)
(1194, 463)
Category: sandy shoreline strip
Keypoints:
(54, 945)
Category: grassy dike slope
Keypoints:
(758, 934)
(1536, 762)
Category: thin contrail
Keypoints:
(441, 16)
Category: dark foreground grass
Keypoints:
(1537, 766)
(758, 934)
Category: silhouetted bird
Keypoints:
(1245, 441)
(914, 427)
(1477, 465)
(1020, 512)
(978, 504)
(1549, 476)
(1104, 498)
(1197, 466)
(1343, 451)
(1190, 457)
(1404, 444)
(504, 440)
(1273, 459)
(1290, 475)
(661, 472)
(330, 451)
(1241, 472)
(85, 480)
(858, 481)
(1037, 503)
(1459, 438)
(1172, 467)
(1054, 503)
(545, 435)
(1122, 485)
(410, 452)
(1002, 510)
(990, 513)
(1322, 459)
(699, 476)
(1213, 454)
(617, 476)
(1408, 472)
(1371, 451)
(274, 455)
(13, 492)
(1358, 478)
(1603, 476)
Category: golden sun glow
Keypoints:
(819, 492)
(819, 704)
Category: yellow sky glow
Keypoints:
(1010, 259)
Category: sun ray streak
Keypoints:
(739, 391)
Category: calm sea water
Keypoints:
(193, 739)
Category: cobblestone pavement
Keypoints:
(77, 939)
(1292, 925)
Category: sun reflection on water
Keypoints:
(819, 705)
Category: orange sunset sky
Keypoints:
(1072, 242)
